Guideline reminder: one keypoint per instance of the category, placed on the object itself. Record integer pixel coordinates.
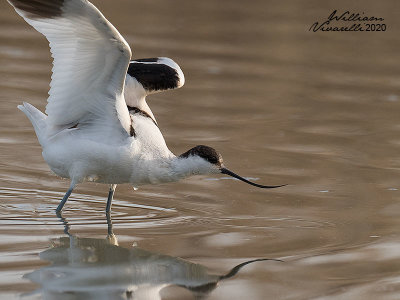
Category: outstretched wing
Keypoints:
(150, 75)
(90, 61)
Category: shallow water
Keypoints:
(318, 111)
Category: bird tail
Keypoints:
(37, 118)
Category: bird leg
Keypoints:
(65, 223)
(67, 194)
(111, 238)
(110, 198)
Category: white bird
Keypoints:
(98, 126)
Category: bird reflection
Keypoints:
(92, 268)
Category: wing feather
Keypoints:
(90, 62)
(151, 75)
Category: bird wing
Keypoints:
(150, 75)
(90, 62)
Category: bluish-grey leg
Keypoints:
(109, 225)
(110, 198)
(67, 194)
(65, 222)
(111, 238)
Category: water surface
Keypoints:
(318, 111)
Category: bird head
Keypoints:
(206, 160)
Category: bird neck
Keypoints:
(171, 169)
(182, 167)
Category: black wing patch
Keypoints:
(156, 74)
(135, 110)
(39, 8)
(132, 131)
(154, 60)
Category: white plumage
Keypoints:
(98, 126)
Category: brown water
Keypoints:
(319, 111)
